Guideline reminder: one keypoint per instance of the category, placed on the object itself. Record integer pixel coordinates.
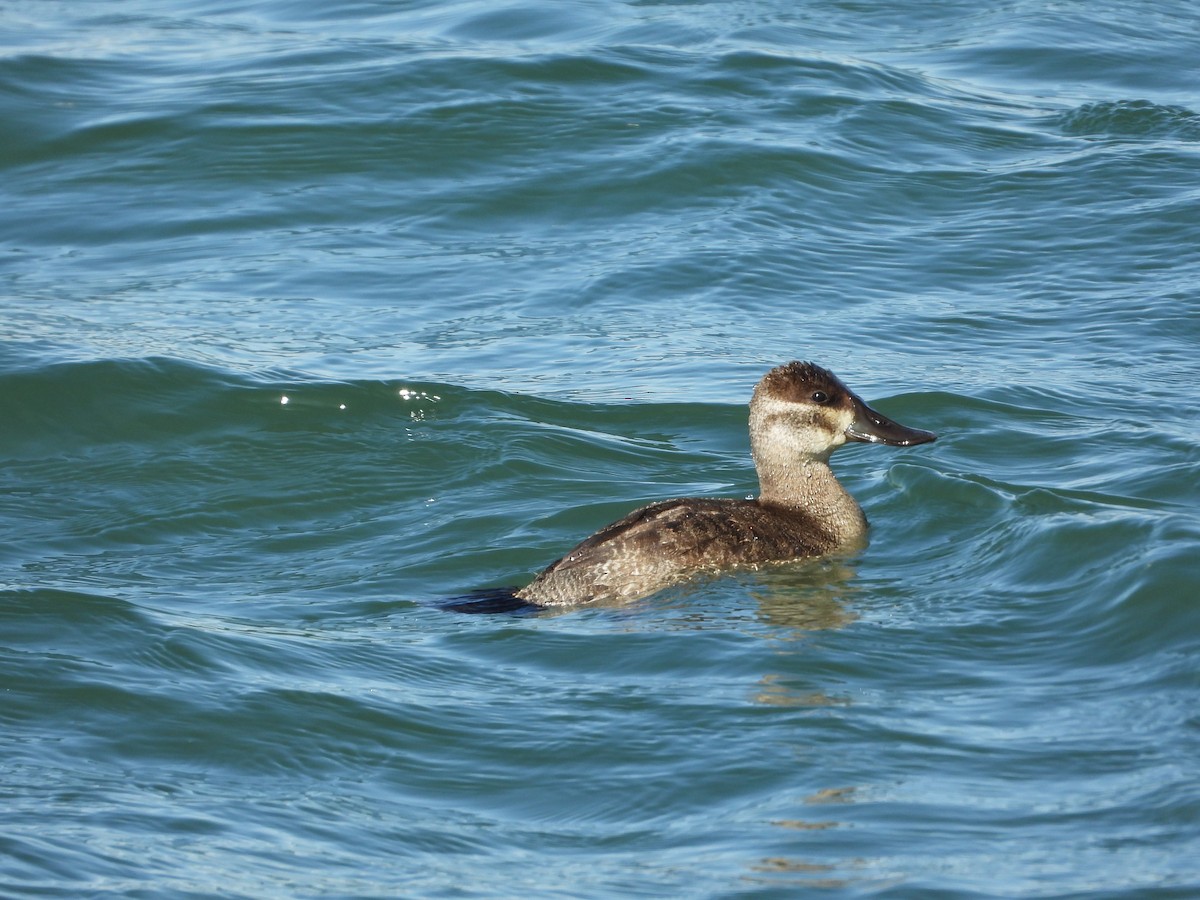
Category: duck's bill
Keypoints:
(876, 428)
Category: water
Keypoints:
(515, 268)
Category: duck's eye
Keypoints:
(820, 397)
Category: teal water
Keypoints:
(515, 268)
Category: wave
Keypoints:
(1131, 119)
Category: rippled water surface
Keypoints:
(313, 316)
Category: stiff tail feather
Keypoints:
(489, 601)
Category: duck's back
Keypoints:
(670, 541)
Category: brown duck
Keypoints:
(799, 414)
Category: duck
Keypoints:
(799, 414)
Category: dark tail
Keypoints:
(489, 601)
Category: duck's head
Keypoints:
(801, 409)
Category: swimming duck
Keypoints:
(799, 414)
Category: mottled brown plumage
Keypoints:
(799, 414)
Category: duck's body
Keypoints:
(799, 414)
(674, 540)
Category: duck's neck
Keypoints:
(809, 486)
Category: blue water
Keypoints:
(312, 317)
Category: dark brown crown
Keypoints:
(798, 381)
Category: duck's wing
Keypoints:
(669, 541)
